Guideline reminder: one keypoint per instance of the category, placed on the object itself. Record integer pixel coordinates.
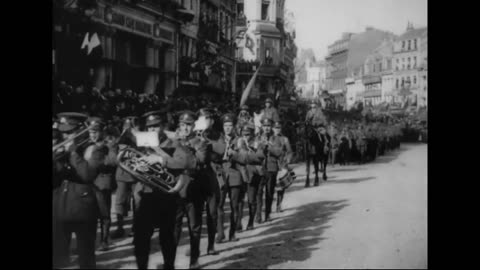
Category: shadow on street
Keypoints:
(291, 239)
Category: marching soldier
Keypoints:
(210, 188)
(244, 118)
(192, 204)
(272, 147)
(155, 208)
(285, 159)
(125, 181)
(105, 180)
(76, 202)
(223, 162)
(270, 112)
(249, 163)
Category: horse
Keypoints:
(317, 150)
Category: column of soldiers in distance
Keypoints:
(355, 141)
(228, 159)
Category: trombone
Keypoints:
(71, 139)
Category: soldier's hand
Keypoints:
(153, 159)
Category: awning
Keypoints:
(185, 14)
(372, 93)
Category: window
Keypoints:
(403, 81)
(414, 79)
(380, 67)
(409, 43)
(403, 45)
(403, 66)
(240, 9)
(415, 44)
(414, 62)
(265, 11)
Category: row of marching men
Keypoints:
(207, 167)
(363, 143)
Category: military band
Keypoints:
(227, 157)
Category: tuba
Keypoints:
(154, 176)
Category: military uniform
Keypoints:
(270, 113)
(273, 148)
(210, 187)
(192, 203)
(157, 209)
(75, 202)
(125, 181)
(315, 116)
(283, 161)
(249, 164)
(229, 178)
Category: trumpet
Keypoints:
(154, 176)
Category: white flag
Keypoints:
(94, 42)
(249, 87)
(85, 41)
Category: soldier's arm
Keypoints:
(87, 170)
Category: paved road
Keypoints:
(364, 216)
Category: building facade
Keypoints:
(262, 38)
(336, 68)
(138, 39)
(149, 46)
(378, 74)
(346, 58)
(408, 61)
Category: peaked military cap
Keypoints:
(69, 121)
(187, 117)
(152, 118)
(268, 100)
(96, 123)
(244, 108)
(277, 124)
(228, 118)
(267, 122)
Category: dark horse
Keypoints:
(317, 150)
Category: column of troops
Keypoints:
(186, 173)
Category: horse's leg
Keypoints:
(316, 160)
(324, 165)
(307, 181)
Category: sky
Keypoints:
(319, 23)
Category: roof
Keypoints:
(414, 33)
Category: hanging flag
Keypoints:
(249, 87)
(85, 41)
(94, 42)
(250, 42)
